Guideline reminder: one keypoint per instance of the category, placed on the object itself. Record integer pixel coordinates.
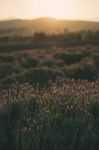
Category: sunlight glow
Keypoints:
(58, 9)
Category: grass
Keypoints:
(39, 111)
(64, 115)
(73, 62)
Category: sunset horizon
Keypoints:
(94, 19)
(49, 74)
(58, 9)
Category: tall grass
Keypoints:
(61, 116)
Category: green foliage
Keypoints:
(7, 69)
(95, 57)
(74, 62)
(86, 70)
(39, 37)
(34, 76)
(70, 58)
(52, 63)
(30, 62)
(6, 59)
(41, 75)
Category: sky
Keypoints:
(59, 9)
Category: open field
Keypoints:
(41, 65)
(49, 92)
(49, 74)
(62, 116)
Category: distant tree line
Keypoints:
(69, 36)
(81, 36)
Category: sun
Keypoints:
(58, 9)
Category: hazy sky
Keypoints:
(63, 9)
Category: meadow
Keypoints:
(41, 65)
(61, 116)
(49, 92)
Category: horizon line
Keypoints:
(48, 17)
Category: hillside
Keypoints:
(47, 25)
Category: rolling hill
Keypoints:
(47, 25)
